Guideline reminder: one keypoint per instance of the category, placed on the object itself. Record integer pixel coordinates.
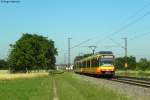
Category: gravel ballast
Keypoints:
(134, 92)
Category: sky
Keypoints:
(104, 22)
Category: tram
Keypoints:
(100, 64)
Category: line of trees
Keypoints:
(120, 63)
(142, 64)
(32, 52)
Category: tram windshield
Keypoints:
(106, 62)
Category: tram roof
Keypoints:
(105, 52)
(98, 54)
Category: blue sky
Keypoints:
(97, 20)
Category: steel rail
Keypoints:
(143, 82)
(131, 77)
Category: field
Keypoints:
(68, 86)
(38, 88)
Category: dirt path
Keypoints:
(55, 90)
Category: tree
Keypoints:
(3, 64)
(143, 64)
(120, 61)
(32, 52)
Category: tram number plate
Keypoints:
(107, 72)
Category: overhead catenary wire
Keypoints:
(123, 27)
(131, 23)
(127, 25)
(139, 36)
(111, 46)
(80, 43)
(136, 13)
(116, 43)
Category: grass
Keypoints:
(70, 87)
(139, 73)
(38, 88)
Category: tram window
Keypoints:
(88, 63)
(79, 64)
(84, 64)
(92, 61)
(95, 62)
(99, 61)
(75, 65)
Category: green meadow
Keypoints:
(69, 86)
(39, 88)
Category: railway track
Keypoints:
(143, 82)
